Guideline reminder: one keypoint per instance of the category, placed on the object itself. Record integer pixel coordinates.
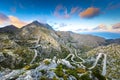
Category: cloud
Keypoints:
(100, 27)
(74, 10)
(15, 21)
(62, 25)
(55, 23)
(116, 26)
(90, 12)
(82, 30)
(3, 18)
(62, 12)
(112, 6)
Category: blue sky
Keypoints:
(72, 15)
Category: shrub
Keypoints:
(96, 73)
(43, 71)
(47, 62)
(31, 66)
(27, 67)
(73, 72)
(54, 78)
(65, 77)
(43, 78)
(59, 71)
(85, 77)
(25, 53)
(80, 70)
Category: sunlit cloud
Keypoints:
(90, 12)
(116, 27)
(100, 27)
(4, 19)
(15, 21)
(104, 28)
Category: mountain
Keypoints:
(49, 43)
(38, 24)
(38, 52)
(9, 29)
(38, 31)
(80, 39)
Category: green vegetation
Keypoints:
(43, 78)
(6, 41)
(80, 70)
(54, 78)
(43, 72)
(31, 66)
(85, 77)
(59, 71)
(64, 52)
(65, 77)
(73, 72)
(85, 49)
(25, 54)
(96, 73)
(47, 62)
(53, 53)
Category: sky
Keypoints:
(63, 15)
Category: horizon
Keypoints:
(63, 15)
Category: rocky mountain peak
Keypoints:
(39, 24)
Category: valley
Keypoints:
(38, 52)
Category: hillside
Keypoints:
(113, 58)
(78, 40)
(39, 52)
